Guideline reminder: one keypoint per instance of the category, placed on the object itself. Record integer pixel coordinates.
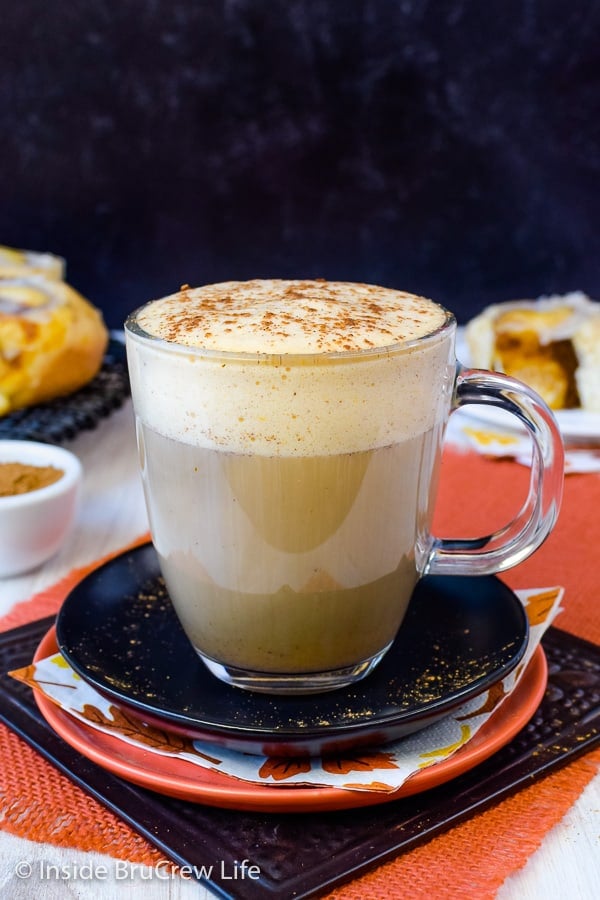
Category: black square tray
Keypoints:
(305, 854)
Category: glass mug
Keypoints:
(290, 436)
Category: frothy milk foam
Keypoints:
(308, 403)
(289, 438)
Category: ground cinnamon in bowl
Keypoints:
(20, 478)
(40, 490)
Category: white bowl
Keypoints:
(33, 525)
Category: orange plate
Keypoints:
(178, 778)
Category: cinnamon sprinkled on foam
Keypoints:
(269, 316)
(288, 396)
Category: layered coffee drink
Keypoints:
(289, 436)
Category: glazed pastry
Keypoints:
(14, 262)
(52, 340)
(552, 344)
(586, 342)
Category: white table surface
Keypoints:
(566, 867)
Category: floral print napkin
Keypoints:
(501, 443)
(383, 768)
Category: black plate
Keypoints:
(119, 632)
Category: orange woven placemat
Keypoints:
(473, 858)
(38, 802)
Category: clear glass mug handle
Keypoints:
(524, 534)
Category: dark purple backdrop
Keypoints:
(450, 148)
